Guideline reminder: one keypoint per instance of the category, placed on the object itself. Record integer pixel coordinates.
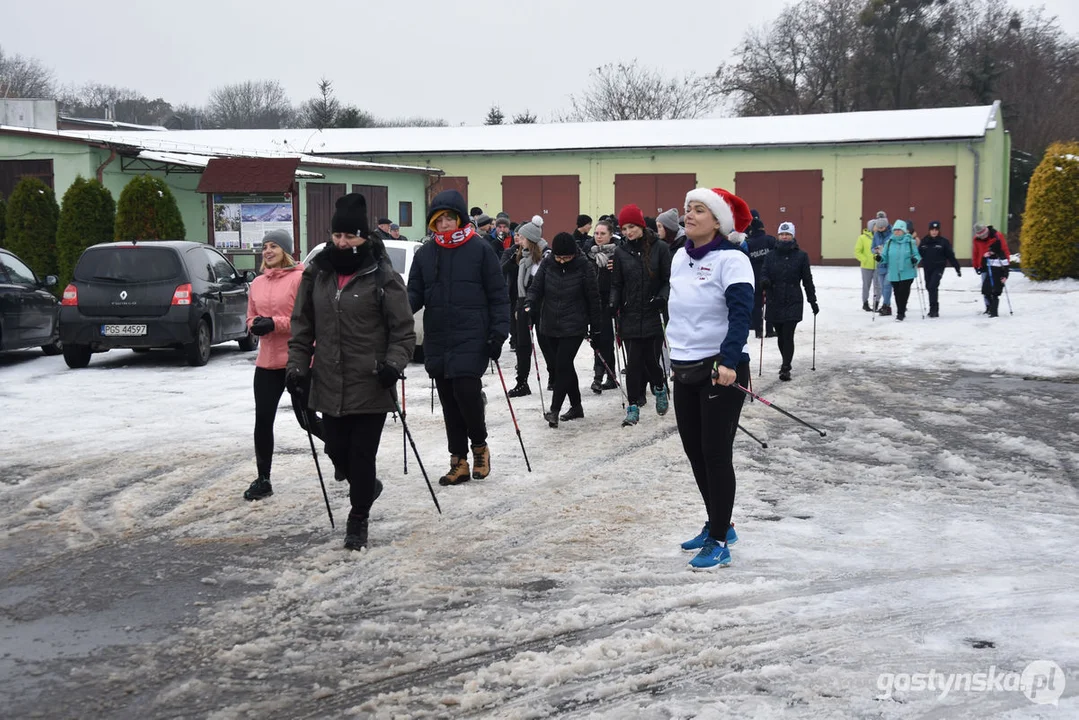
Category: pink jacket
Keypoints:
(273, 293)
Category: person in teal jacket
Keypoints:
(900, 253)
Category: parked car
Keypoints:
(400, 253)
(29, 314)
(154, 294)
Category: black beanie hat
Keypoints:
(448, 200)
(351, 215)
(583, 220)
(650, 223)
(564, 244)
(476, 211)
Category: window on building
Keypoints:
(404, 214)
(12, 171)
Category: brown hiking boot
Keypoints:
(481, 461)
(458, 473)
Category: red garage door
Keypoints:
(378, 202)
(786, 196)
(557, 198)
(459, 183)
(320, 206)
(918, 194)
(653, 192)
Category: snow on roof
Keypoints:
(201, 161)
(112, 124)
(834, 128)
(196, 142)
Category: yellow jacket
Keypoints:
(863, 250)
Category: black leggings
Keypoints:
(269, 386)
(901, 288)
(605, 346)
(642, 366)
(462, 411)
(932, 285)
(566, 383)
(707, 419)
(785, 340)
(353, 440)
(524, 346)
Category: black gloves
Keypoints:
(878, 258)
(296, 381)
(530, 315)
(388, 375)
(958, 272)
(593, 337)
(494, 348)
(262, 325)
(613, 310)
(816, 308)
(913, 262)
(657, 303)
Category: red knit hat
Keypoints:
(731, 211)
(631, 215)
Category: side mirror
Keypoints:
(50, 280)
(248, 276)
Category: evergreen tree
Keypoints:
(147, 211)
(31, 225)
(1050, 237)
(524, 118)
(494, 116)
(87, 217)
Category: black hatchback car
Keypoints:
(29, 314)
(154, 294)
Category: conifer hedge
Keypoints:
(147, 211)
(1050, 236)
(87, 217)
(31, 219)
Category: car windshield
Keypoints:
(397, 257)
(128, 265)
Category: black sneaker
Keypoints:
(356, 534)
(865, 306)
(576, 412)
(551, 418)
(610, 384)
(785, 375)
(259, 489)
(520, 390)
(597, 386)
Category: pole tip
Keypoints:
(764, 445)
(823, 433)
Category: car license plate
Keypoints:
(123, 330)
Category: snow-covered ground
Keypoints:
(933, 529)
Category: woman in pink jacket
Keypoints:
(269, 313)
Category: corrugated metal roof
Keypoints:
(835, 128)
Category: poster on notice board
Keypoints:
(241, 221)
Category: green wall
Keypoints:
(69, 159)
(842, 165)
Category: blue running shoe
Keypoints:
(633, 416)
(698, 542)
(662, 403)
(711, 556)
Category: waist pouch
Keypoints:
(694, 373)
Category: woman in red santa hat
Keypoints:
(711, 301)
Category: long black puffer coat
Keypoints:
(568, 295)
(633, 288)
(784, 272)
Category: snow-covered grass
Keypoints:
(926, 521)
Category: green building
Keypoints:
(828, 174)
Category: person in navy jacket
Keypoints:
(711, 303)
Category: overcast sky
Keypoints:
(404, 57)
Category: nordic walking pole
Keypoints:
(513, 415)
(404, 437)
(715, 374)
(747, 432)
(1008, 298)
(432, 396)
(608, 369)
(667, 346)
(764, 324)
(314, 454)
(918, 283)
(618, 368)
(814, 366)
(539, 380)
(419, 460)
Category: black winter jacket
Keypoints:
(784, 272)
(603, 274)
(568, 296)
(633, 288)
(464, 293)
(760, 244)
(936, 254)
(365, 323)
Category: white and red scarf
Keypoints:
(455, 238)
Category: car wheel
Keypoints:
(249, 343)
(53, 348)
(198, 352)
(76, 356)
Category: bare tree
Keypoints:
(24, 77)
(627, 91)
(95, 100)
(411, 122)
(251, 104)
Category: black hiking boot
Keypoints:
(520, 390)
(356, 533)
(865, 306)
(551, 418)
(259, 489)
(611, 384)
(575, 412)
(597, 385)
